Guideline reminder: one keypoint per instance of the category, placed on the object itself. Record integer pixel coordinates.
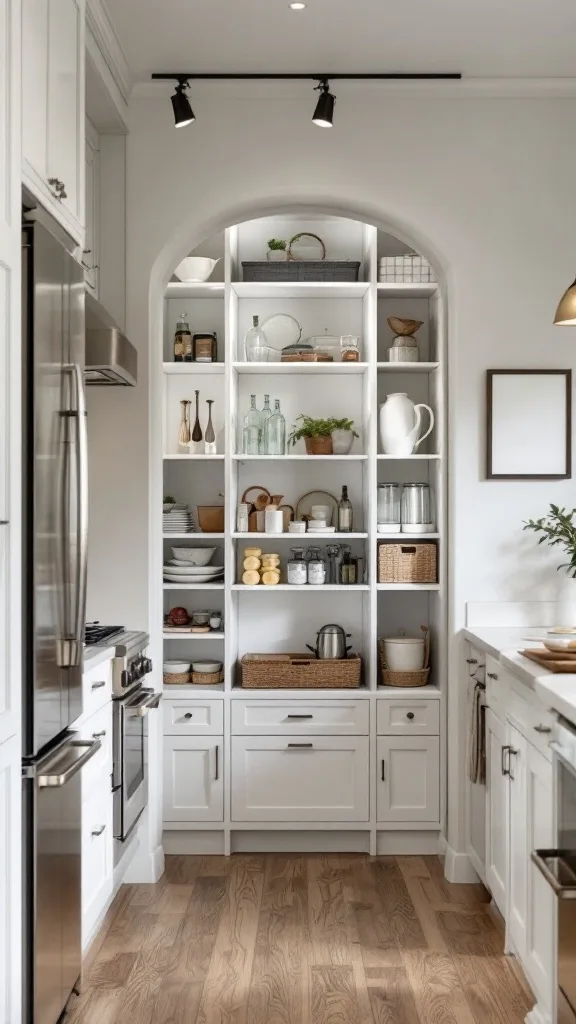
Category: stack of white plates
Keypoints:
(178, 520)
(175, 572)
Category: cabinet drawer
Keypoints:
(96, 775)
(496, 687)
(407, 717)
(193, 717)
(97, 860)
(96, 689)
(284, 717)
(290, 779)
(532, 720)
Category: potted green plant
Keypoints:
(317, 434)
(558, 529)
(277, 250)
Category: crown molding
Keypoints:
(99, 24)
(466, 88)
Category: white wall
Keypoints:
(484, 185)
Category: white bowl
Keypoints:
(404, 654)
(194, 570)
(561, 644)
(174, 668)
(206, 666)
(195, 556)
(195, 269)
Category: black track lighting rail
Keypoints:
(183, 76)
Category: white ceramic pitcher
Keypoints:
(400, 422)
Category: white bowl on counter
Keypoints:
(195, 556)
(404, 653)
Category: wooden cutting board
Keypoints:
(554, 661)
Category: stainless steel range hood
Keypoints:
(110, 358)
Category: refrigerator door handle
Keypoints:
(74, 633)
(66, 764)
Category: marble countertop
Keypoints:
(95, 655)
(556, 691)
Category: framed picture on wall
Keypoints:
(529, 424)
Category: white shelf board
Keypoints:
(406, 290)
(408, 691)
(304, 586)
(193, 536)
(407, 367)
(185, 691)
(409, 458)
(184, 369)
(197, 290)
(308, 693)
(408, 586)
(407, 536)
(192, 458)
(301, 536)
(299, 458)
(193, 636)
(193, 586)
(300, 289)
(350, 369)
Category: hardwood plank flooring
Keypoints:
(298, 939)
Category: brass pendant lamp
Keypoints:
(565, 315)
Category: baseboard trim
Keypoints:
(177, 843)
(405, 844)
(538, 1016)
(299, 842)
(146, 867)
(457, 867)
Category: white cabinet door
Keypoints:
(408, 778)
(540, 917)
(289, 778)
(10, 881)
(193, 779)
(34, 87)
(91, 211)
(97, 860)
(518, 841)
(496, 812)
(65, 157)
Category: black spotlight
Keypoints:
(325, 107)
(183, 113)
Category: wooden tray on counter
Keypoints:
(554, 661)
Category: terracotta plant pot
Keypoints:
(321, 445)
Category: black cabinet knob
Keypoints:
(410, 715)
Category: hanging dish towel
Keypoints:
(477, 760)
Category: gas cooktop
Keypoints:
(94, 633)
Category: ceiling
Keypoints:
(495, 38)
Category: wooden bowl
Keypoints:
(403, 328)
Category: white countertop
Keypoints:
(557, 691)
(95, 655)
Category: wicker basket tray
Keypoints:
(390, 678)
(301, 270)
(295, 671)
(407, 563)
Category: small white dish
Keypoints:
(389, 527)
(194, 570)
(173, 667)
(191, 579)
(196, 556)
(206, 666)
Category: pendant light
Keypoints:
(324, 112)
(183, 113)
(565, 315)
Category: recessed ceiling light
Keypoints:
(297, 6)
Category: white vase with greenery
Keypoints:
(558, 529)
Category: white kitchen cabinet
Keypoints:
(515, 759)
(10, 880)
(193, 779)
(409, 778)
(496, 811)
(53, 108)
(408, 716)
(91, 255)
(538, 957)
(192, 717)
(284, 717)
(288, 778)
(97, 859)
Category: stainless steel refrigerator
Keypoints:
(54, 561)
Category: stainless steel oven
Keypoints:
(130, 773)
(559, 868)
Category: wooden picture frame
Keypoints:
(528, 424)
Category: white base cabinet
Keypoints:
(496, 812)
(97, 860)
(538, 956)
(409, 778)
(193, 779)
(288, 778)
(10, 880)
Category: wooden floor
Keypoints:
(302, 940)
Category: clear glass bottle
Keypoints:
(296, 569)
(264, 417)
(256, 344)
(183, 340)
(345, 514)
(347, 567)
(316, 567)
(251, 430)
(275, 441)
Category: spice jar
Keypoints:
(316, 567)
(296, 569)
(204, 348)
(349, 348)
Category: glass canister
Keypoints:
(388, 513)
(350, 348)
(296, 569)
(316, 567)
(417, 514)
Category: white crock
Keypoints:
(400, 422)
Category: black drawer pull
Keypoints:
(383, 770)
(300, 716)
(98, 686)
(188, 714)
(301, 745)
(492, 675)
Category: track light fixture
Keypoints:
(183, 113)
(324, 112)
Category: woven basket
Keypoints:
(206, 678)
(301, 270)
(407, 563)
(390, 678)
(295, 671)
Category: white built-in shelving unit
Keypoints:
(284, 617)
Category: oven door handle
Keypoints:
(542, 859)
(143, 705)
